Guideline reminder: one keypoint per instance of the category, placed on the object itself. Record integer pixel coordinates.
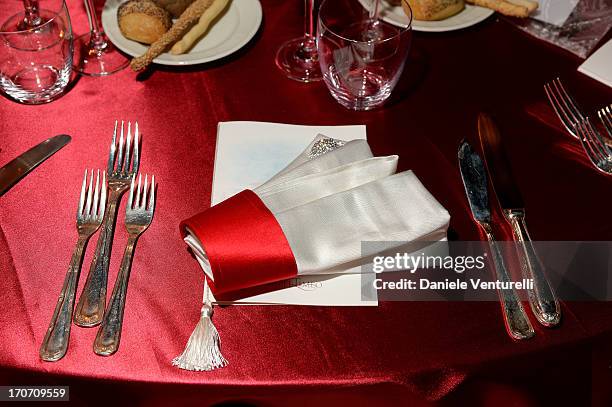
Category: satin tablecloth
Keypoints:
(395, 354)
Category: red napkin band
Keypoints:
(244, 243)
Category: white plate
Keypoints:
(395, 15)
(231, 32)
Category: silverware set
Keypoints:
(596, 146)
(96, 209)
(474, 172)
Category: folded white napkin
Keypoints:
(336, 195)
(599, 65)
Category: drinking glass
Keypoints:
(36, 62)
(361, 57)
(298, 58)
(95, 54)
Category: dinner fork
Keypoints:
(565, 106)
(138, 216)
(597, 151)
(89, 217)
(90, 308)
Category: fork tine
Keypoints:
(143, 204)
(82, 197)
(152, 195)
(113, 150)
(89, 194)
(119, 165)
(103, 197)
(605, 115)
(137, 203)
(569, 118)
(131, 196)
(557, 106)
(596, 140)
(96, 196)
(586, 144)
(136, 155)
(570, 101)
(128, 142)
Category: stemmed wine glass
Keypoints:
(95, 55)
(297, 58)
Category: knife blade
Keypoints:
(542, 299)
(475, 183)
(18, 168)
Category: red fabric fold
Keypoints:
(244, 243)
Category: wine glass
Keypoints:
(298, 58)
(95, 54)
(361, 59)
(35, 62)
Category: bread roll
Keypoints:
(174, 7)
(433, 9)
(143, 20)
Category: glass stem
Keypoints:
(97, 39)
(375, 10)
(309, 28)
(32, 17)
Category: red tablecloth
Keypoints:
(397, 353)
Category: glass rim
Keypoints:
(401, 31)
(55, 13)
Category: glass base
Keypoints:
(36, 83)
(100, 60)
(299, 61)
(359, 89)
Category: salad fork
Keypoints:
(90, 308)
(592, 142)
(89, 218)
(138, 216)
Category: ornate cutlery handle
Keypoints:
(55, 344)
(542, 298)
(90, 308)
(109, 334)
(516, 320)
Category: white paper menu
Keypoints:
(248, 154)
(599, 65)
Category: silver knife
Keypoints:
(475, 182)
(15, 170)
(542, 299)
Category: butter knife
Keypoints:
(474, 178)
(542, 299)
(15, 170)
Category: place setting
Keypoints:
(316, 236)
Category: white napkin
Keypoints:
(336, 195)
(599, 65)
(554, 12)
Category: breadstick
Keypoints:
(530, 5)
(503, 7)
(184, 22)
(200, 28)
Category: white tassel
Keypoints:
(203, 348)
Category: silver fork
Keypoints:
(90, 308)
(565, 107)
(89, 217)
(138, 216)
(597, 151)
